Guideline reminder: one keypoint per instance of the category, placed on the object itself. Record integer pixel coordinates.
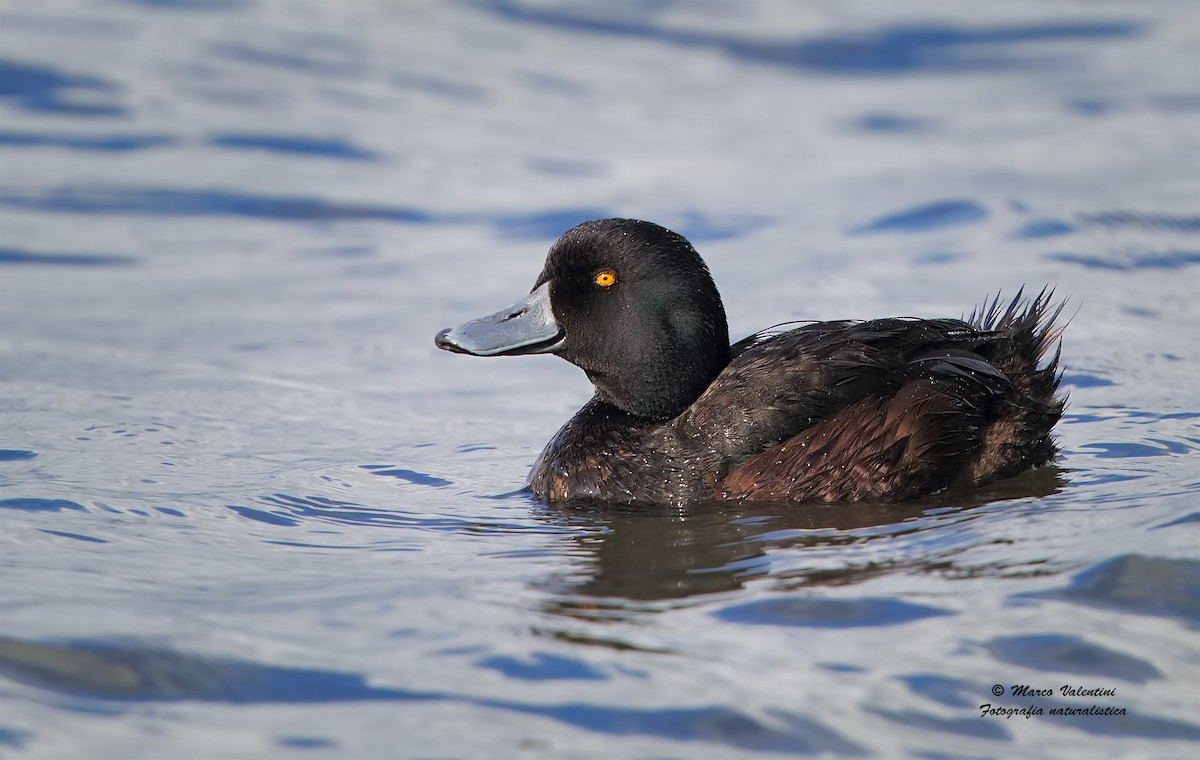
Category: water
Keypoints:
(250, 511)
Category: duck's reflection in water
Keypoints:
(632, 559)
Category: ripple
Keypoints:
(1043, 228)
(104, 670)
(891, 123)
(1061, 653)
(163, 201)
(912, 48)
(927, 217)
(1127, 450)
(972, 726)
(10, 737)
(39, 505)
(548, 225)
(12, 256)
(934, 259)
(829, 613)
(412, 476)
(543, 666)
(46, 90)
(97, 143)
(705, 228)
(258, 515)
(440, 86)
(1194, 517)
(566, 167)
(1084, 380)
(1139, 585)
(1148, 222)
(716, 725)
(1134, 262)
(305, 742)
(318, 54)
(128, 673)
(74, 536)
(294, 145)
(944, 690)
(291, 511)
(1090, 106)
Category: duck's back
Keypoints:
(884, 410)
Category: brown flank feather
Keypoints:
(953, 426)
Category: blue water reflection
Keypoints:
(829, 613)
(1139, 585)
(162, 201)
(116, 143)
(1169, 260)
(48, 90)
(896, 50)
(38, 505)
(115, 674)
(928, 217)
(11, 256)
(1069, 654)
(295, 145)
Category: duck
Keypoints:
(876, 410)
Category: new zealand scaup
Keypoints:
(880, 410)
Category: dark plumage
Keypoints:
(881, 410)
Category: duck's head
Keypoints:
(630, 303)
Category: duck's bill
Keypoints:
(526, 327)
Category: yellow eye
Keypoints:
(604, 279)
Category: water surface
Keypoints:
(250, 511)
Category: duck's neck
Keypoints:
(661, 388)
